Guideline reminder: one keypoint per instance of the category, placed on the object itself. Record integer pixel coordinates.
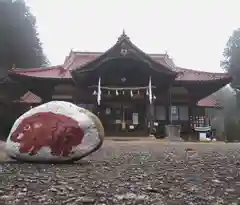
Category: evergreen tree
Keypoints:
(19, 42)
(231, 64)
(231, 54)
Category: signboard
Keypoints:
(135, 118)
(174, 109)
(108, 111)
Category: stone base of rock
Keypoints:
(172, 133)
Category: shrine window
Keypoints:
(178, 113)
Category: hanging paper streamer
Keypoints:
(131, 93)
(99, 91)
(94, 92)
(109, 93)
(117, 93)
(147, 92)
(150, 89)
(123, 92)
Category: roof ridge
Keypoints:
(99, 53)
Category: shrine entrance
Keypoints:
(124, 87)
(124, 119)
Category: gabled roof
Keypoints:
(79, 60)
(124, 48)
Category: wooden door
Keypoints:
(123, 119)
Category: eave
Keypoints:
(51, 74)
(209, 102)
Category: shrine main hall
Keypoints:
(128, 89)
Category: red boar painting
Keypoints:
(58, 132)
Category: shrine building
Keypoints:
(127, 88)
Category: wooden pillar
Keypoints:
(169, 111)
(151, 117)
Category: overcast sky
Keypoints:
(194, 32)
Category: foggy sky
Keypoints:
(193, 32)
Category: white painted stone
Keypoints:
(92, 129)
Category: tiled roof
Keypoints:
(209, 101)
(77, 59)
(194, 75)
(49, 72)
(188, 74)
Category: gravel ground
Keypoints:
(130, 173)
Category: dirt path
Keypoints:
(130, 173)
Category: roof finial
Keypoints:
(123, 36)
(166, 53)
